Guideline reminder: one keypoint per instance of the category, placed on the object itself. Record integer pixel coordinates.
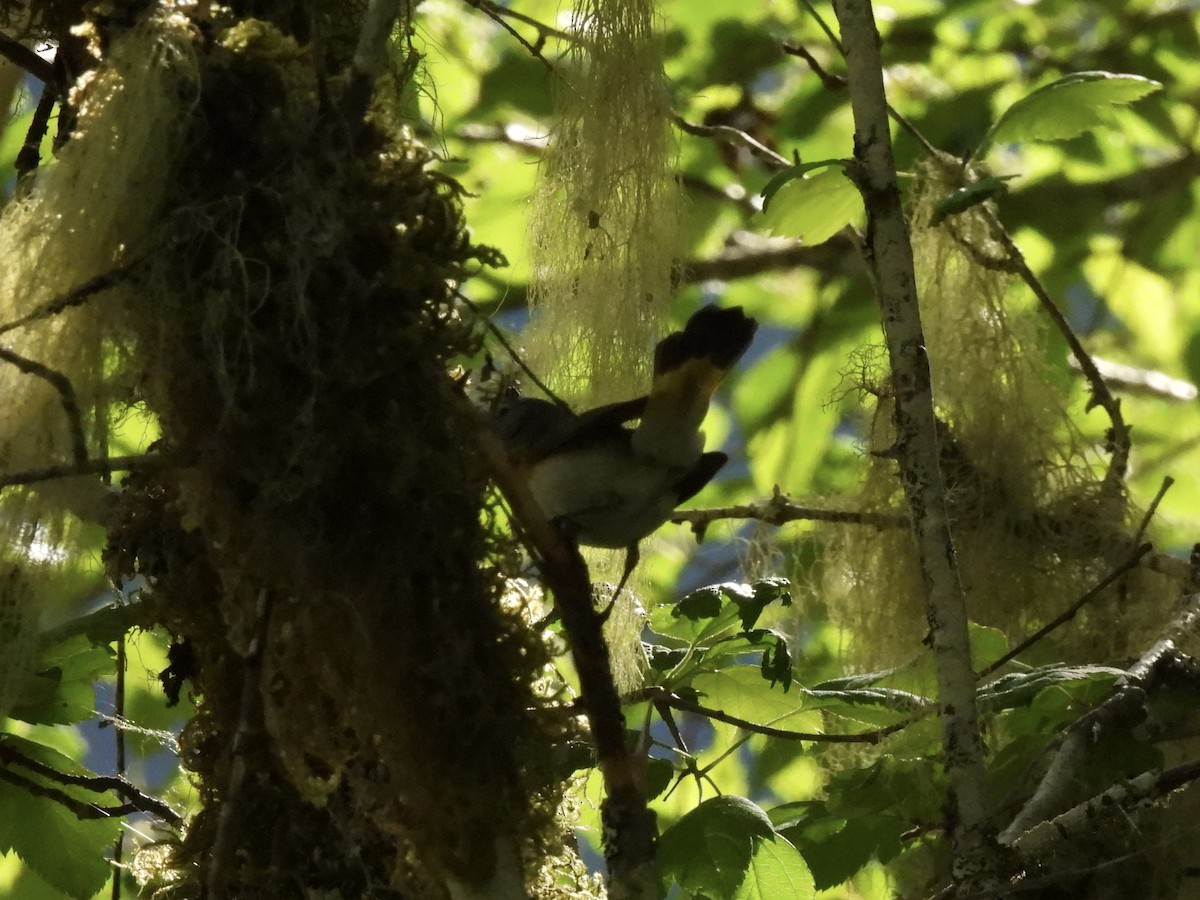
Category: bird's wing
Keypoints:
(699, 475)
(533, 429)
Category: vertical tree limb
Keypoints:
(889, 258)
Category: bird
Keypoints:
(606, 484)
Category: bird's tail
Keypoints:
(688, 366)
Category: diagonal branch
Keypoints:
(66, 393)
(1068, 614)
(136, 800)
(499, 14)
(630, 830)
(75, 297)
(1124, 707)
(1119, 439)
(20, 55)
(735, 136)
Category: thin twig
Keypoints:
(79, 808)
(1153, 508)
(513, 134)
(1070, 612)
(543, 29)
(745, 257)
(88, 467)
(659, 695)
(1134, 380)
(512, 352)
(136, 800)
(497, 13)
(735, 136)
(75, 297)
(66, 393)
(1119, 441)
(832, 82)
(893, 113)
(824, 26)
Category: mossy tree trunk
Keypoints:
(314, 542)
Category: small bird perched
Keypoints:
(607, 485)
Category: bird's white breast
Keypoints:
(608, 496)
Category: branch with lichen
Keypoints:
(1078, 824)
(889, 256)
(1123, 708)
(630, 833)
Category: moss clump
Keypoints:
(365, 702)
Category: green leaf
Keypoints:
(776, 870)
(836, 849)
(103, 626)
(1067, 108)
(61, 692)
(707, 605)
(67, 852)
(659, 773)
(987, 644)
(798, 170)
(776, 663)
(703, 603)
(709, 850)
(752, 599)
(815, 208)
(1020, 688)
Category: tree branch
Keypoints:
(66, 393)
(20, 55)
(889, 253)
(779, 510)
(75, 297)
(745, 256)
(630, 833)
(1119, 440)
(1124, 707)
(496, 13)
(104, 466)
(1071, 611)
(732, 135)
(661, 695)
(1081, 822)
(137, 801)
(832, 82)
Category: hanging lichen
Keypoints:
(606, 213)
(88, 213)
(1033, 524)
